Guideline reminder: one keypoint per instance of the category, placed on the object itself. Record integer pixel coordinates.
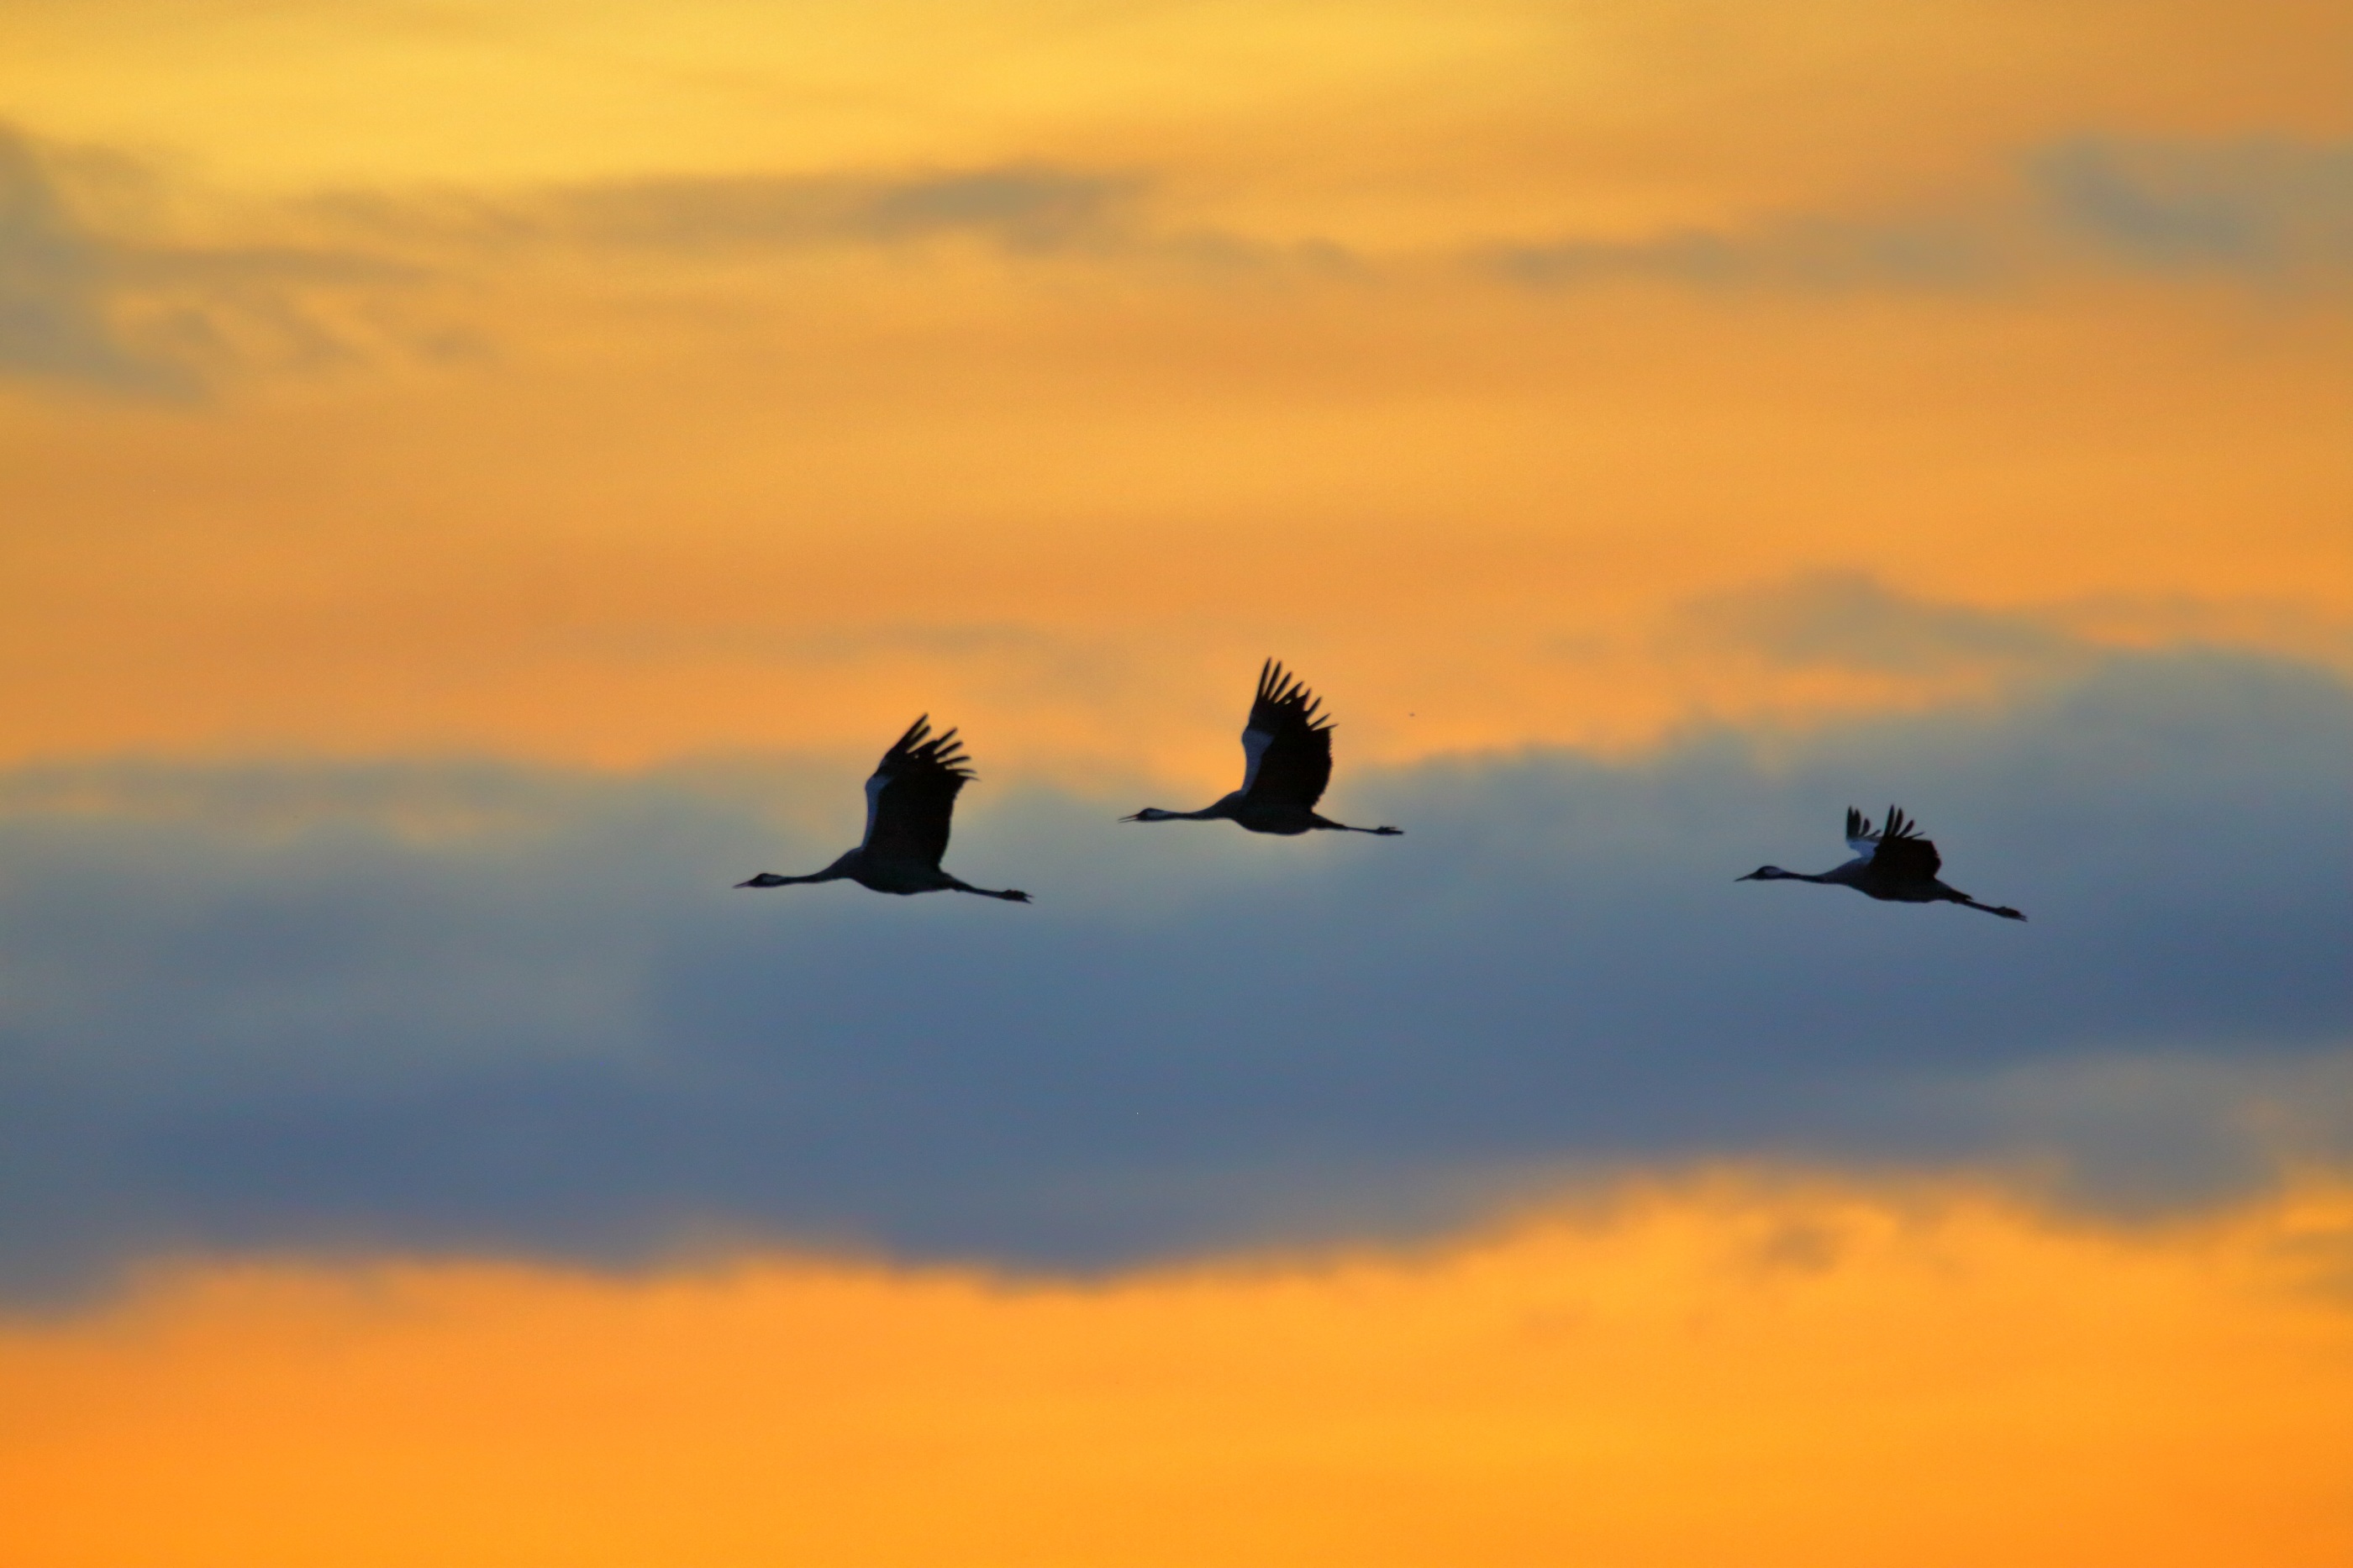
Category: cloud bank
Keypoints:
(456, 1007)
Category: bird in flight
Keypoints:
(1890, 862)
(1287, 753)
(908, 802)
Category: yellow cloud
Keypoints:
(1723, 1370)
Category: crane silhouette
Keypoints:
(1288, 756)
(1892, 862)
(908, 802)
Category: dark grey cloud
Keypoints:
(444, 1007)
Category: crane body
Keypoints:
(1891, 863)
(1287, 754)
(908, 802)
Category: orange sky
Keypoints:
(1729, 1369)
(468, 378)
(515, 563)
(518, 486)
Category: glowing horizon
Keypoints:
(1798, 1371)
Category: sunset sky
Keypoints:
(479, 478)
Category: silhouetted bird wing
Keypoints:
(1288, 747)
(1902, 854)
(912, 794)
(1862, 838)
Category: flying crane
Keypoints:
(1892, 862)
(1287, 751)
(908, 802)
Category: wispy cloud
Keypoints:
(56, 283)
(2254, 211)
(1021, 209)
(2260, 208)
(325, 279)
(85, 303)
(1853, 620)
(1813, 253)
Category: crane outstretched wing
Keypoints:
(912, 794)
(1901, 852)
(1862, 838)
(1288, 747)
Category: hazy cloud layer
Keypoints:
(1851, 620)
(337, 278)
(477, 1007)
(90, 303)
(2274, 208)
(1020, 208)
(2269, 212)
(2270, 209)
(55, 282)
(2260, 210)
